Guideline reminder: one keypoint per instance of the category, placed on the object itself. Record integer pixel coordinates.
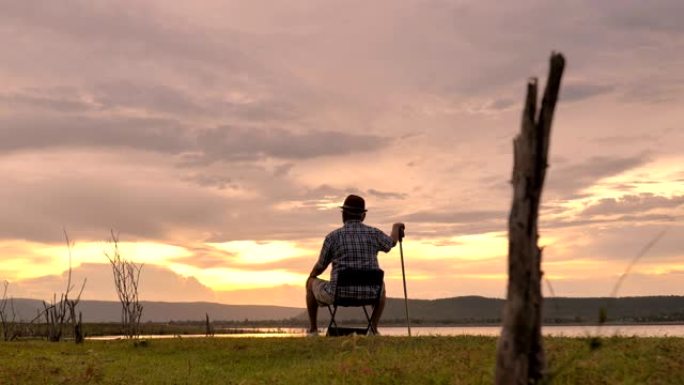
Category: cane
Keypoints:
(403, 275)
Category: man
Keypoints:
(353, 245)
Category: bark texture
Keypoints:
(520, 353)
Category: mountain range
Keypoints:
(457, 310)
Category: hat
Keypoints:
(354, 204)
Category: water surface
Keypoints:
(550, 330)
(491, 331)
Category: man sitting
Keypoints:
(353, 245)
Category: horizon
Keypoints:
(303, 307)
(219, 138)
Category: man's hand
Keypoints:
(402, 227)
(398, 231)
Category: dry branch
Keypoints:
(8, 315)
(58, 313)
(126, 279)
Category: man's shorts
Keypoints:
(318, 287)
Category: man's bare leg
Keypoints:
(377, 312)
(311, 307)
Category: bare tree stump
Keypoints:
(78, 329)
(208, 327)
(520, 353)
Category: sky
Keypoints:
(218, 138)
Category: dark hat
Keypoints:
(354, 204)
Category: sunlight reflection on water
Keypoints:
(491, 331)
(550, 330)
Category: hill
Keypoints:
(457, 310)
(109, 311)
(479, 310)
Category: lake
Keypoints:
(493, 331)
(550, 330)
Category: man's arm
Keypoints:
(316, 271)
(323, 260)
(385, 242)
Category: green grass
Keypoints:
(347, 360)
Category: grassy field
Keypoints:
(344, 360)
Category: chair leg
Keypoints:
(333, 311)
(368, 319)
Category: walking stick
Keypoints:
(403, 275)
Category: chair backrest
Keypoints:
(360, 277)
(347, 278)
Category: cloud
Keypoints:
(220, 182)
(649, 91)
(663, 16)
(205, 257)
(91, 204)
(620, 241)
(134, 29)
(635, 284)
(628, 140)
(386, 194)
(456, 217)
(285, 295)
(30, 132)
(301, 265)
(185, 122)
(502, 103)
(156, 284)
(579, 91)
(283, 169)
(146, 196)
(241, 143)
(149, 99)
(152, 97)
(629, 210)
(628, 204)
(568, 180)
(447, 223)
(226, 143)
(160, 98)
(62, 99)
(622, 220)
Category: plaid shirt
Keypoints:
(355, 246)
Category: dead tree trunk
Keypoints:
(208, 327)
(76, 323)
(520, 353)
(78, 329)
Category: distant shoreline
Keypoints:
(265, 328)
(466, 311)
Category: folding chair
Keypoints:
(355, 277)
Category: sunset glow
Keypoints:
(220, 139)
(255, 253)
